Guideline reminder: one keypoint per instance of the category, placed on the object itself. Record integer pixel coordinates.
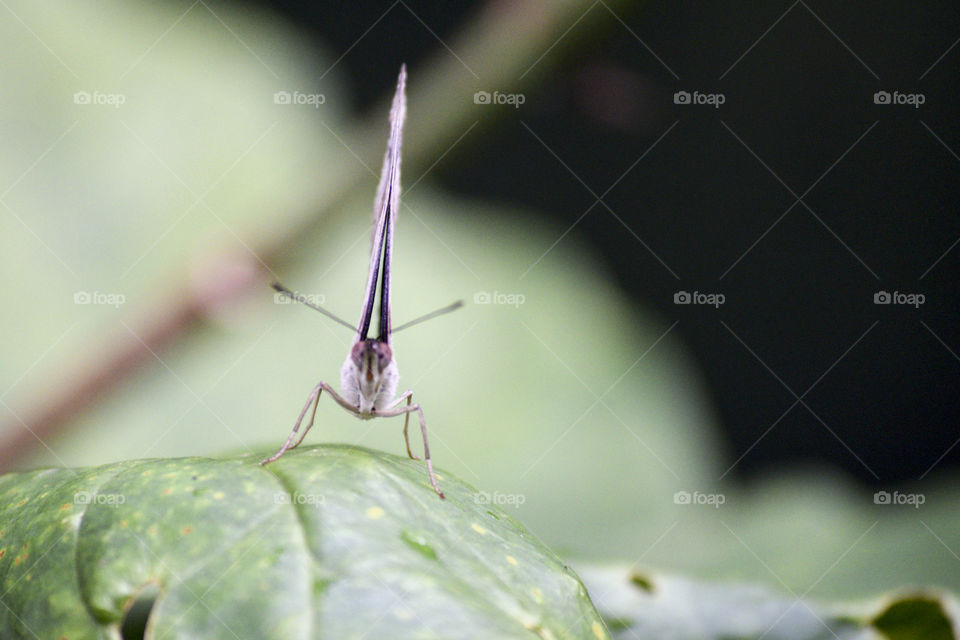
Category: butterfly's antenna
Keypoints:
(433, 314)
(302, 300)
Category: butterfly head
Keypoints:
(369, 376)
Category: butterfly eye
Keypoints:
(384, 355)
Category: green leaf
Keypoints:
(641, 605)
(918, 616)
(328, 542)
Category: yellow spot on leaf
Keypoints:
(374, 512)
(478, 528)
(598, 631)
(511, 560)
(218, 495)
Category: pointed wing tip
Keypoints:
(402, 78)
(398, 110)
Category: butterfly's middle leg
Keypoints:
(408, 396)
(407, 410)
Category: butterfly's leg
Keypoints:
(410, 408)
(313, 398)
(408, 396)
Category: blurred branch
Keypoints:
(506, 42)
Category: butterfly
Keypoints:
(369, 375)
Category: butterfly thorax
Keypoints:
(368, 378)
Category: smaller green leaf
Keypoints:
(918, 616)
(642, 605)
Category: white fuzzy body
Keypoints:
(369, 394)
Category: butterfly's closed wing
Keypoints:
(384, 216)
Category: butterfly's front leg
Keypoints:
(313, 398)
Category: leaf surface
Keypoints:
(328, 542)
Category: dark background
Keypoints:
(699, 211)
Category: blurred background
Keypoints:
(706, 252)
